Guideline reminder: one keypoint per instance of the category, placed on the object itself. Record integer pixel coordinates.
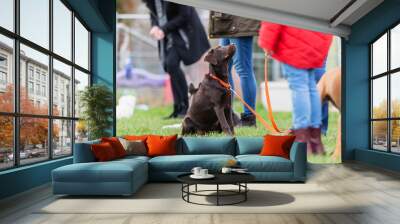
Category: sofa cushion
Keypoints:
(159, 145)
(103, 152)
(185, 163)
(116, 145)
(137, 148)
(206, 145)
(249, 145)
(112, 171)
(277, 145)
(257, 163)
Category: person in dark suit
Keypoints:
(181, 37)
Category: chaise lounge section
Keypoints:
(125, 176)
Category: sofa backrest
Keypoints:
(83, 153)
(249, 145)
(206, 145)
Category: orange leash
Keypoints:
(274, 129)
(268, 99)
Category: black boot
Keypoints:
(247, 120)
(174, 113)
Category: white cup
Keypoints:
(203, 172)
(226, 170)
(196, 171)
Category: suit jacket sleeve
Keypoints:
(151, 6)
(269, 35)
(177, 21)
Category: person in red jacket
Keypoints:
(302, 53)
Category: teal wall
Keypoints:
(24, 178)
(99, 16)
(355, 87)
(104, 54)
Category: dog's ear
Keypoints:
(210, 57)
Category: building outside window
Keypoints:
(38, 89)
(30, 87)
(30, 72)
(43, 90)
(57, 128)
(44, 77)
(385, 95)
(37, 75)
(3, 72)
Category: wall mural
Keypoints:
(173, 78)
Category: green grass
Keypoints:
(152, 122)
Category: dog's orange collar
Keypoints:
(220, 81)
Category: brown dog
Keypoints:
(211, 103)
(329, 87)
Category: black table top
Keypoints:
(220, 178)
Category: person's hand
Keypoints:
(157, 33)
(268, 53)
(153, 31)
(160, 34)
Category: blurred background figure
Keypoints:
(239, 31)
(303, 54)
(181, 38)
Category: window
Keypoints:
(30, 87)
(62, 74)
(33, 140)
(62, 29)
(62, 137)
(7, 14)
(81, 45)
(3, 72)
(81, 82)
(3, 61)
(35, 21)
(385, 97)
(47, 77)
(37, 89)
(37, 75)
(3, 78)
(44, 91)
(6, 142)
(6, 74)
(30, 72)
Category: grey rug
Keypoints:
(166, 198)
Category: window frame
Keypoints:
(388, 74)
(16, 114)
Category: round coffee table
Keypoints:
(238, 179)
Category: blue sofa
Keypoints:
(125, 176)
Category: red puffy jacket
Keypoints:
(297, 47)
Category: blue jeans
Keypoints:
(319, 72)
(305, 97)
(243, 62)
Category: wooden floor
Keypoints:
(379, 190)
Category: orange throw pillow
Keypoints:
(161, 145)
(103, 152)
(116, 145)
(275, 145)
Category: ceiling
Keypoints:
(329, 16)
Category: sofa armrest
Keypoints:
(298, 155)
(83, 152)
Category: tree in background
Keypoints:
(33, 130)
(380, 128)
